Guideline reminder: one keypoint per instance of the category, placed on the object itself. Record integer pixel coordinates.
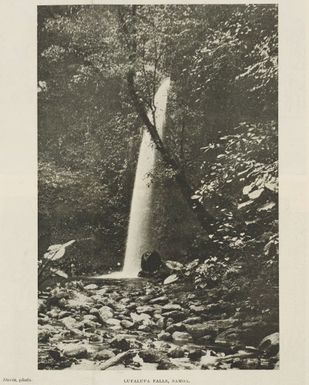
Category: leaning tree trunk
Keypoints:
(205, 218)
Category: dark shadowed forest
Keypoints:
(207, 295)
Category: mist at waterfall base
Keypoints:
(141, 204)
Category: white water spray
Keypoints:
(140, 213)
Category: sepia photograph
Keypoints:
(157, 140)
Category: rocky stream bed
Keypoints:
(142, 325)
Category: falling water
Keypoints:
(140, 213)
(138, 232)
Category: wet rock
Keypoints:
(104, 354)
(192, 320)
(161, 323)
(270, 344)
(131, 306)
(43, 336)
(119, 308)
(75, 350)
(55, 296)
(170, 307)
(102, 291)
(198, 309)
(115, 323)
(151, 355)
(163, 336)
(120, 343)
(91, 286)
(173, 265)
(79, 301)
(126, 324)
(195, 354)
(207, 340)
(157, 316)
(159, 300)
(42, 306)
(253, 332)
(209, 327)
(87, 324)
(144, 328)
(171, 279)
(70, 323)
(151, 262)
(145, 309)
(208, 362)
(176, 315)
(95, 338)
(182, 337)
(53, 313)
(43, 320)
(166, 364)
(229, 337)
(98, 299)
(177, 352)
(104, 313)
(140, 318)
(178, 327)
(247, 363)
(63, 314)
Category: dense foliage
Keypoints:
(221, 127)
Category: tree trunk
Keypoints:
(205, 218)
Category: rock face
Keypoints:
(151, 262)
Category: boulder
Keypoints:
(166, 364)
(120, 343)
(104, 355)
(192, 320)
(177, 327)
(151, 355)
(91, 286)
(151, 261)
(197, 309)
(176, 315)
(75, 350)
(170, 307)
(140, 318)
(144, 328)
(41, 306)
(163, 336)
(173, 265)
(177, 352)
(145, 309)
(208, 362)
(104, 313)
(113, 322)
(196, 354)
(209, 327)
(182, 337)
(270, 344)
(126, 324)
(229, 337)
(171, 279)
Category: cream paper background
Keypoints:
(18, 207)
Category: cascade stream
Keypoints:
(139, 223)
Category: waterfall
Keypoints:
(139, 222)
(139, 226)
